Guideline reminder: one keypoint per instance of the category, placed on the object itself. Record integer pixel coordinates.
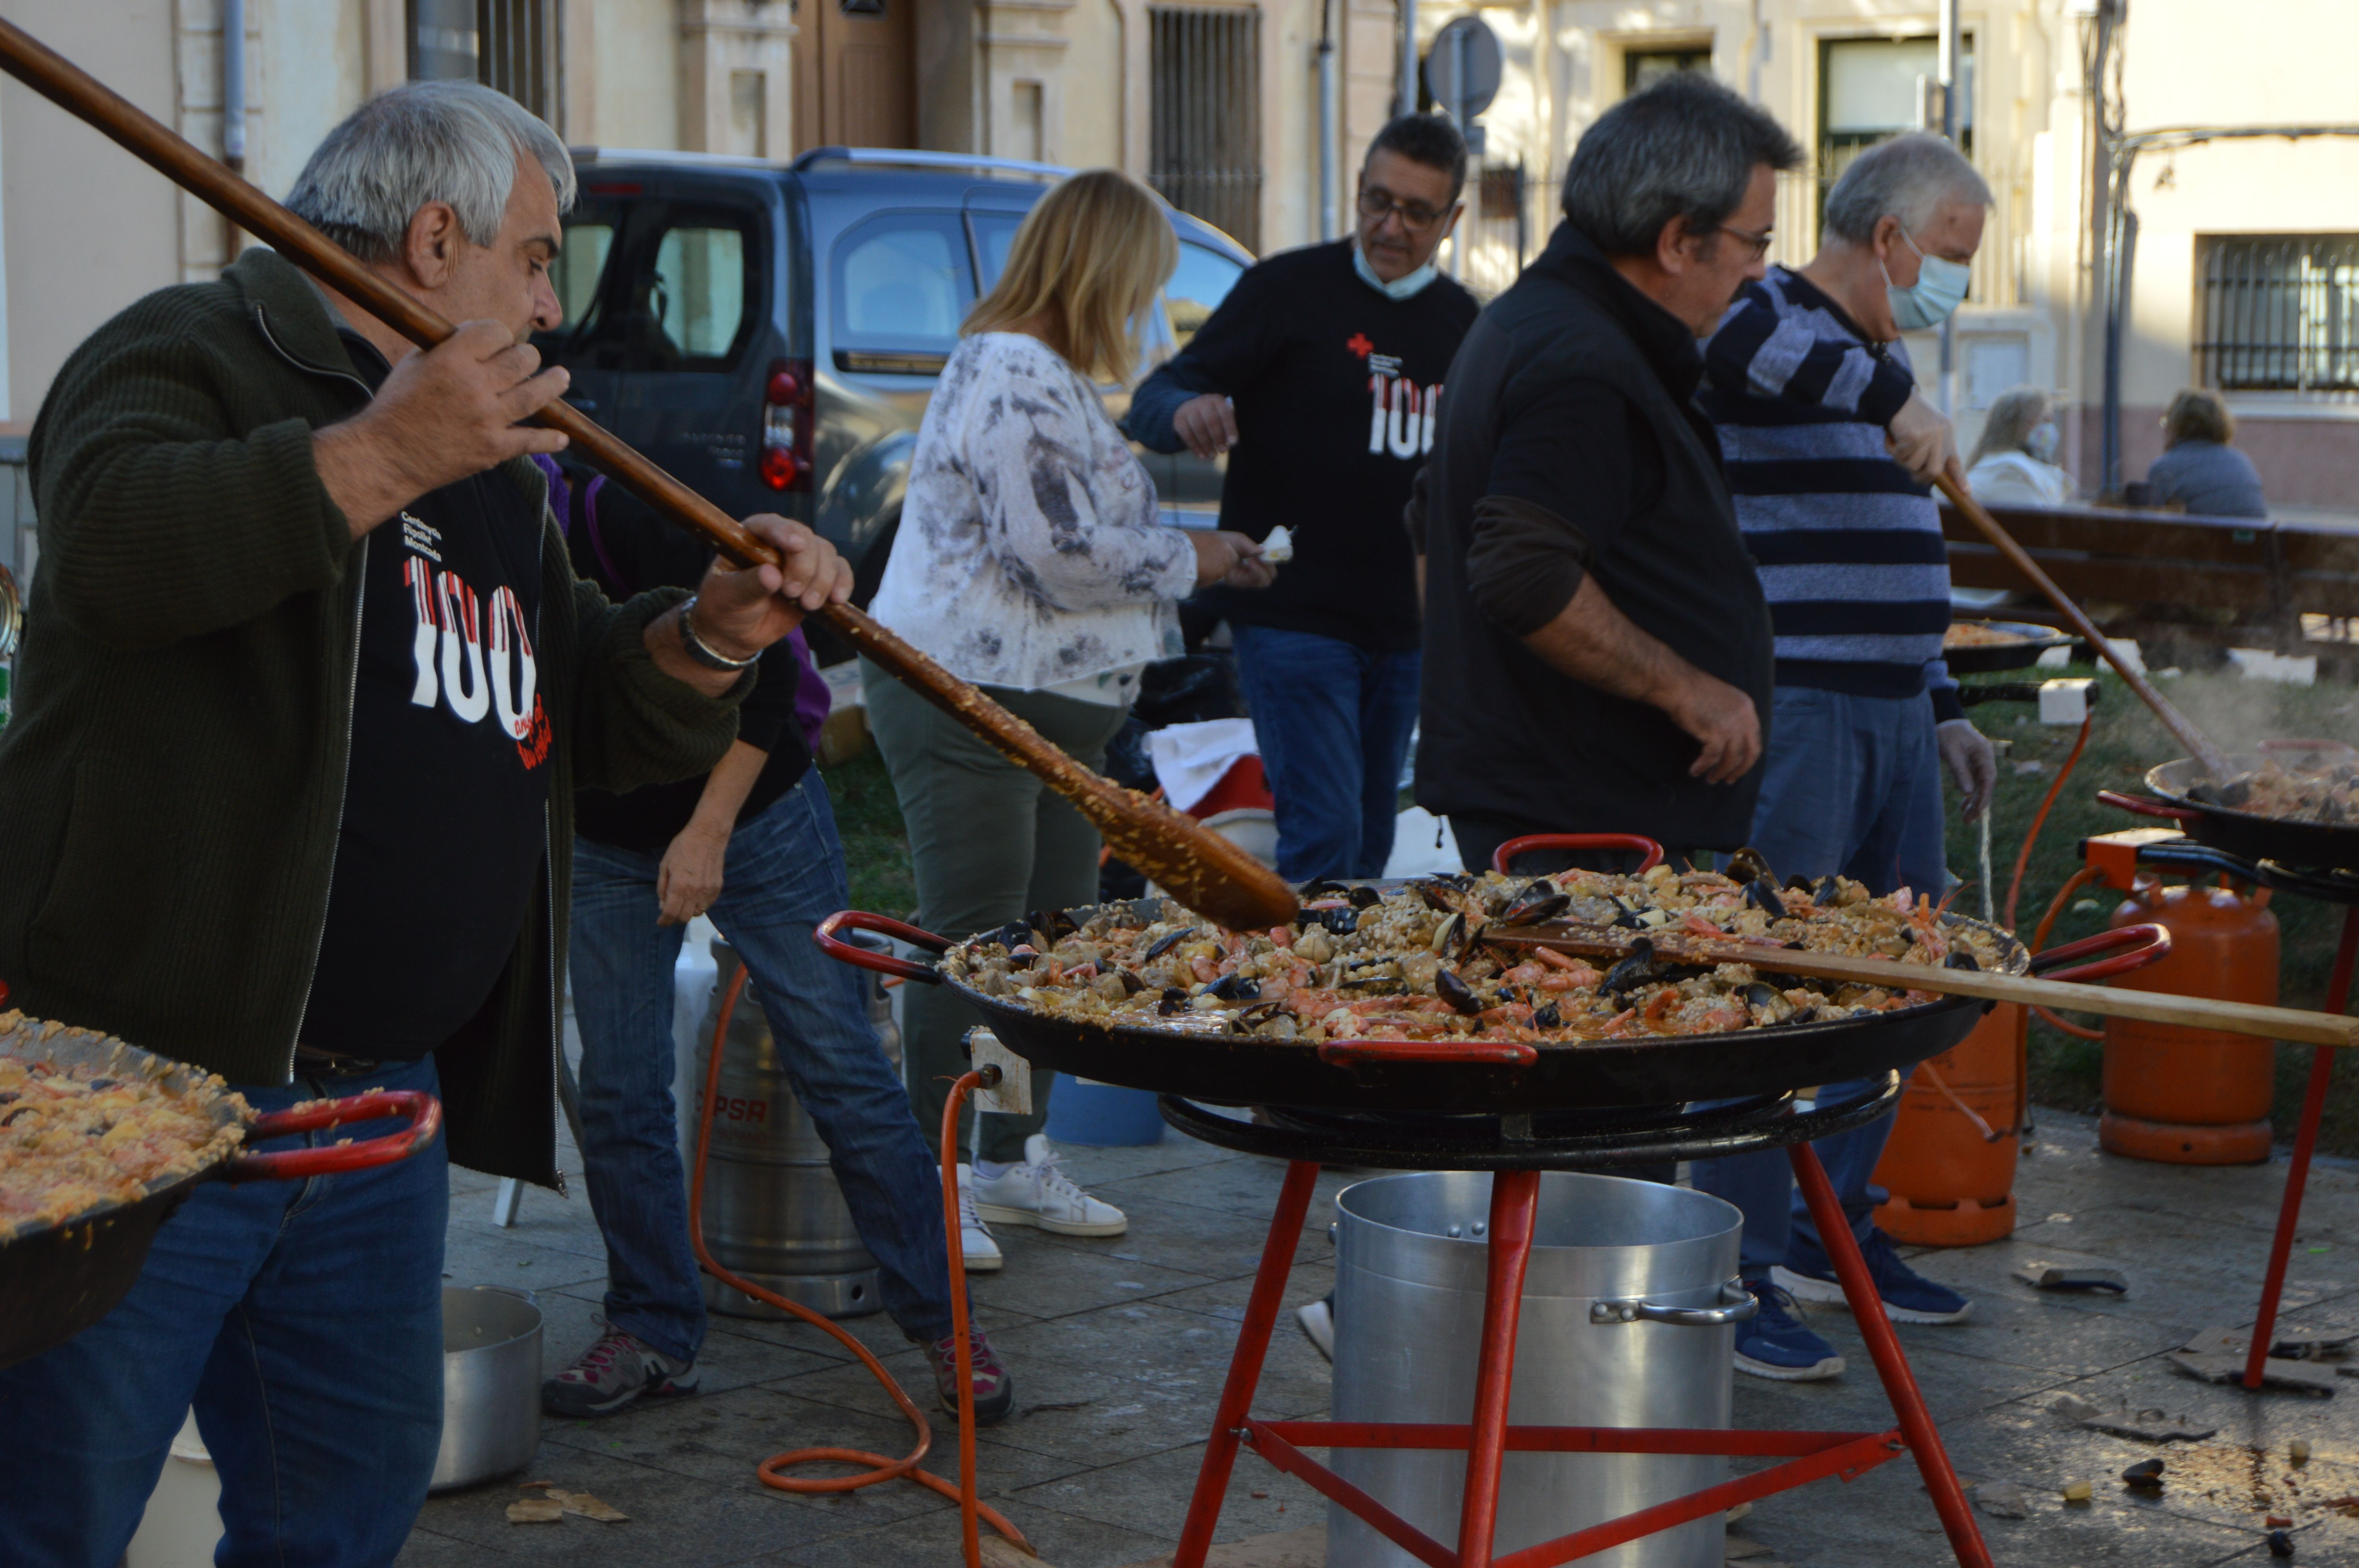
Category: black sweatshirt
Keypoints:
(619, 543)
(1337, 388)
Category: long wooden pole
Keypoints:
(2154, 1007)
(1196, 866)
(2199, 745)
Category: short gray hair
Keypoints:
(1906, 177)
(1686, 148)
(425, 141)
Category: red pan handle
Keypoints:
(844, 952)
(2145, 945)
(1487, 1053)
(1505, 855)
(2145, 808)
(425, 1113)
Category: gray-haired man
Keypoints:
(308, 689)
(1597, 649)
(1829, 449)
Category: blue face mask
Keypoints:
(2042, 442)
(1405, 287)
(1939, 288)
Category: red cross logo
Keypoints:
(1358, 343)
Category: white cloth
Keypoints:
(2018, 479)
(1190, 759)
(1031, 553)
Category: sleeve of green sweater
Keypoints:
(633, 724)
(159, 520)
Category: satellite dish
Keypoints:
(1462, 70)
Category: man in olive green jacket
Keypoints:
(288, 797)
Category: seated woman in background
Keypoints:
(2014, 464)
(2199, 470)
(1032, 560)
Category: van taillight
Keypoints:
(787, 419)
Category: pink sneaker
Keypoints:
(617, 1371)
(995, 1388)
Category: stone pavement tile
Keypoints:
(932, 1540)
(1246, 1186)
(2048, 1332)
(720, 1438)
(1177, 1152)
(2180, 1265)
(675, 1523)
(1884, 1519)
(465, 1181)
(1225, 1299)
(543, 1220)
(426, 1549)
(1214, 1243)
(1047, 1280)
(487, 1257)
(1151, 1494)
(1954, 1386)
(571, 1324)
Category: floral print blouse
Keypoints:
(1029, 553)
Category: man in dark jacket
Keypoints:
(307, 690)
(1597, 646)
(1323, 370)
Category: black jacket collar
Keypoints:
(1668, 347)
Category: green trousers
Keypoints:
(988, 843)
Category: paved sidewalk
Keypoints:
(1118, 1348)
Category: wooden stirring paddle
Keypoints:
(1195, 865)
(2199, 745)
(2154, 1007)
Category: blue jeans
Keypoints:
(784, 874)
(1853, 786)
(302, 1319)
(1333, 722)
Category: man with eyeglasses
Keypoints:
(1830, 450)
(1320, 376)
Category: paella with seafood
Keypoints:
(73, 1139)
(2325, 792)
(1411, 963)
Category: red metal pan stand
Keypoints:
(2119, 854)
(1516, 1148)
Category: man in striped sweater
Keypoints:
(1830, 451)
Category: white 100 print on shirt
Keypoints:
(1401, 419)
(450, 646)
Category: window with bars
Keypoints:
(507, 44)
(2280, 312)
(1205, 151)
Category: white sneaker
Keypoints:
(1318, 1321)
(974, 1237)
(1038, 1193)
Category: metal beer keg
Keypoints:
(772, 1212)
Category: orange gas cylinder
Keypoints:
(1951, 1184)
(2194, 1096)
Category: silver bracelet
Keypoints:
(700, 650)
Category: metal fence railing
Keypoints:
(1204, 153)
(2280, 312)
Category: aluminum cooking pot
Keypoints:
(491, 1384)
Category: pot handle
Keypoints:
(844, 952)
(2145, 808)
(2155, 943)
(1738, 1304)
(425, 1113)
(1505, 855)
(1488, 1052)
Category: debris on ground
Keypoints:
(2145, 1476)
(535, 1510)
(2001, 1499)
(2277, 1371)
(2048, 1277)
(2278, 1521)
(2149, 1424)
(584, 1506)
(2297, 1451)
(1741, 1547)
(2280, 1543)
(999, 1553)
(555, 1502)
(2289, 1344)
(2079, 1491)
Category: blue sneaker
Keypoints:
(1908, 1296)
(1772, 1343)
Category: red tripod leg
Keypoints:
(1883, 1350)
(2305, 1140)
(1245, 1365)
(1514, 1194)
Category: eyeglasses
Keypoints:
(1760, 241)
(1379, 203)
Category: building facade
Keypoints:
(2237, 254)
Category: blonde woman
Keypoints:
(1030, 560)
(2014, 464)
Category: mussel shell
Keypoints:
(1434, 897)
(1131, 984)
(1235, 988)
(1015, 933)
(1764, 895)
(1546, 1016)
(1749, 865)
(1053, 924)
(1325, 887)
(1540, 899)
(1338, 921)
(1826, 888)
(1457, 993)
(1173, 1001)
(1760, 994)
(1169, 940)
(1959, 959)
(1365, 897)
(1450, 936)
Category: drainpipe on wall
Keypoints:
(1405, 100)
(232, 15)
(1948, 68)
(1328, 130)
